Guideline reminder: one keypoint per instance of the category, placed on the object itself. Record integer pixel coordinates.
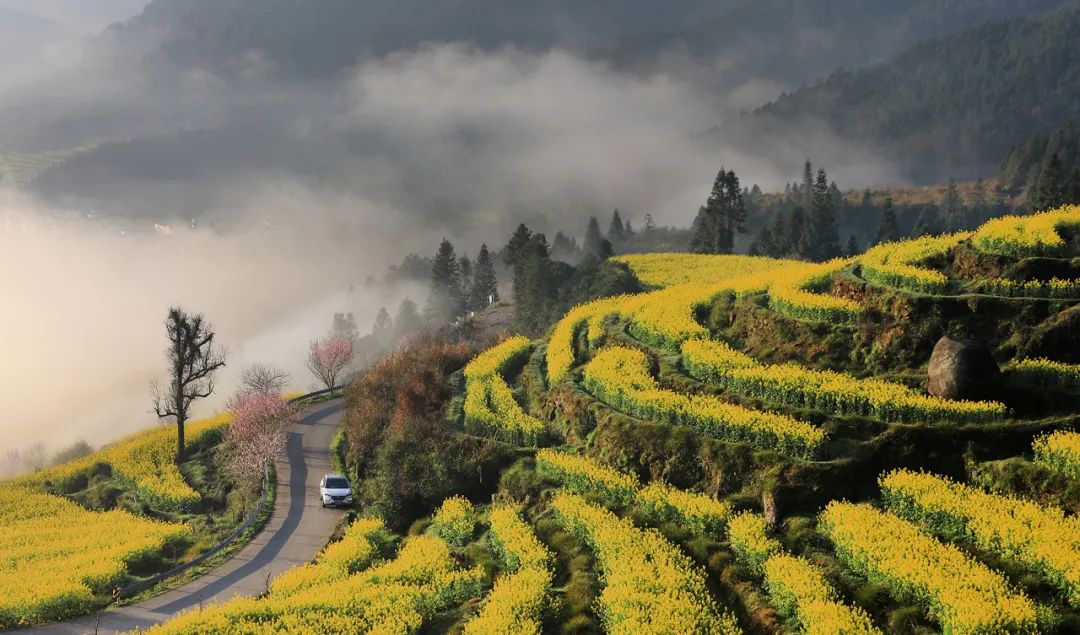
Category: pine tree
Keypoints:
(825, 237)
(952, 209)
(780, 238)
(444, 298)
(721, 218)
(407, 319)
(807, 189)
(485, 286)
(888, 230)
(465, 266)
(616, 232)
(535, 287)
(628, 231)
(1073, 197)
(852, 248)
(594, 240)
(799, 242)
(516, 246)
(383, 329)
(926, 224)
(650, 224)
(979, 201)
(1049, 189)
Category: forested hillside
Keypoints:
(783, 40)
(953, 106)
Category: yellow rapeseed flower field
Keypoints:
(1060, 450)
(147, 460)
(896, 264)
(1040, 537)
(583, 475)
(454, 521)
(620, 377)
(1044, 372)
(56, 556)
(519, 599)
(650, 586)
(836, 393)
(1027, 236)
(489, 400)
(963, 595)
(662, 270)
(395, 597)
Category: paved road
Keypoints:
(297, 530)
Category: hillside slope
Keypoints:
(953, 105)
(778, 39)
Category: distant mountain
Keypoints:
(955, 105)
(783, 40)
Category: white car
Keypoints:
(335, 491)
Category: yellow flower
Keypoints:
(56, 556)
(489, 401)
(650, 586)
(454, 521)
(1060, 450)
(896, 264)
(962, 594)
(836, 393)
(620, 377)
(1041, 537)
(1027, 236)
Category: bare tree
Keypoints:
(192, 362)
(328, 357)
(263, 378)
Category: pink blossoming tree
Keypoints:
(329, 357)
(256, 436)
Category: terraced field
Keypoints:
(747, 448)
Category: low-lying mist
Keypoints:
(279, 199)
(86, 300)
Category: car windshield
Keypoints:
(337, 483)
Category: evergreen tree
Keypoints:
(867, 203)
(1073, 197)
(780, 236)
(799, 242)
(771, 239)
(952, 209)
(516, 246)
(926, 224)
(407, 319)
(980, 204)
(485, 287)
(888, 229)
(825, 237)
(444, 298)
(722, 216)
(535, 287)
(594, 240)
(616, 232)
(1049, 189)
(628, 231)
(807, 190)
(465, 266)
(650, 224)
(383, 329)
(852, 248)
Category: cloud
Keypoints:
(86, 300)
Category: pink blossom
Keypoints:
(328, 357)
(256, 435)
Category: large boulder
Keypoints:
(962, 369)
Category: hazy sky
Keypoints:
(78, 16)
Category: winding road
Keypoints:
(298, 528)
